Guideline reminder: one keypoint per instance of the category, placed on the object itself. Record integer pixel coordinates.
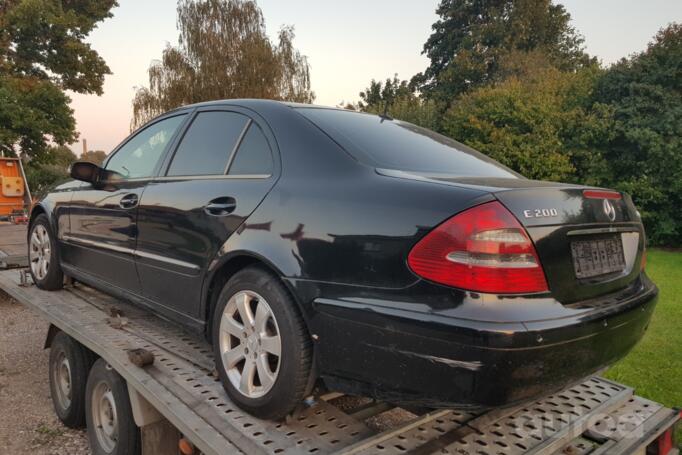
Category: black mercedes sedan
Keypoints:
(319, 246)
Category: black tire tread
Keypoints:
(81, 361)
(129, 441)
(55, 276)
(282, 405)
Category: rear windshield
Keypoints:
(392, 144)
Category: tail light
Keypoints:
(602, 194)
(483, 249)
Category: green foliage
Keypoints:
(644, 154)
(30, 110)
(472, 36)
(543, 126)
(43, 39)
(50, 169)
(42, 53)
(223, 52)
(94, 156)
(395, 98)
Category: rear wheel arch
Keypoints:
(228, 269)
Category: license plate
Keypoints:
(598, 257)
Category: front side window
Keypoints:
(140, 155)
(208, 143)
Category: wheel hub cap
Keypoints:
(62, 380)
(104, 416)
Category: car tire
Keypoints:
(108, 413)
(278, 383)
(43, 255)
(69, 366)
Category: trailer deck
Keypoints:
(596, 416)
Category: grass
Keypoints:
(46, 434)
(654, 367)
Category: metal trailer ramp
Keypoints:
(596, 416)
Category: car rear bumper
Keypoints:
(419, 358)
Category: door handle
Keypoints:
(221, 206)
(129, 201)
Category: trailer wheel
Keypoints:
(262, 349)
(69, 365)
(111, 427)
(43, 255)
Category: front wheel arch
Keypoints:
(35, 211)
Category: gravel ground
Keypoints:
(28, 424)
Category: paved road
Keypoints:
(28, 424)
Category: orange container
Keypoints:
(14, 194)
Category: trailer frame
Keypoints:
(179, 395)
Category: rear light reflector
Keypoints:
(602, 194)
(483, 249)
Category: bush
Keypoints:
(644, 153)
(542, 124)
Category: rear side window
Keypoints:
(392, 144)
(208, 143)
(254, 156)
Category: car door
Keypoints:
(103, 232)
(220, 171)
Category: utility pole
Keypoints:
(85, 147)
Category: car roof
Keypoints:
(249, 102)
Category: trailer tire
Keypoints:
(280, 322)
(111, 426)
(69, 366)
(51, 277)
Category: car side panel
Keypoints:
(56, 206)
(178, 240)
(333, 234)
(103, 234)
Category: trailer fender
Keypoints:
(143, 412)
(52, 331)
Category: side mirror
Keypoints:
(85, 171)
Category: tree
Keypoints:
(543, 126)
(60, 156)
(398, 99)
(472, 36)
(49, 169)
(94, 156)
(43, 53)
(223, 52)
(33, 112)
(644, 154)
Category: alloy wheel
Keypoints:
(250, 344)
(39, 251)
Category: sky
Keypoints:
(347, 43)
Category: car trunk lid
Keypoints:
(588, 245)
(589, 241)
